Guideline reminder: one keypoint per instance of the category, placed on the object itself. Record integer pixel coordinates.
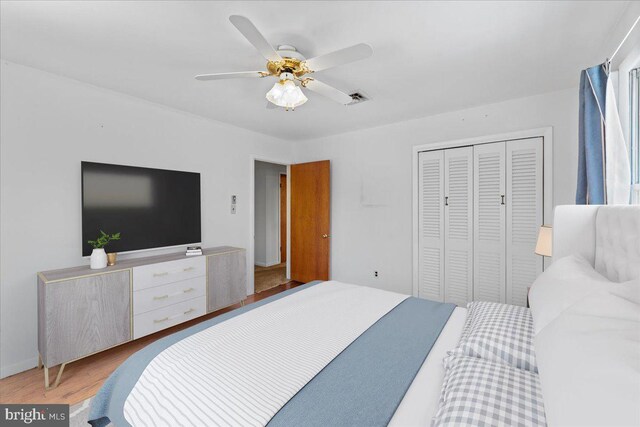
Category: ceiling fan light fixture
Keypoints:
(286, 94)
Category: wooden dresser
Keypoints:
(83, 311)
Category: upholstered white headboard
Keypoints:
(607, 236)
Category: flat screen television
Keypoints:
(151, 208)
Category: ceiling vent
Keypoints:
(358, 98)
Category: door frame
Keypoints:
(286, 175)
(546, 133)
(252, 217)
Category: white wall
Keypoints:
(49, 124)
(267, 213)
(371, 179)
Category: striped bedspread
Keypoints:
(248, 367)
(272, 361)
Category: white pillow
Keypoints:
(589, 360)
(565, 282)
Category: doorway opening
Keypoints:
(270, 217)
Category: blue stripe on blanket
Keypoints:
(364, 384)
(108, 404)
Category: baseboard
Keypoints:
(16, 368)
(272, 264)
(266, 264)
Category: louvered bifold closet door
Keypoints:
(458, 225)
(431, 225)
(524, 216)
(489, 222)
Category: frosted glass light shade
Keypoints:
(286, 94)
(544, 243)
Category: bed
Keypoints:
(331, 353)
(393, 337)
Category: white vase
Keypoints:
(98, 259)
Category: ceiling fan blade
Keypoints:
(328, 91)
(254, 36)
(339, 57)
(238, 75)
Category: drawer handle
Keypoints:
(166, 273)
(174, 294)
(164, 319)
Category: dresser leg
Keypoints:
(242, 303)
(55, 384)
(46, 378)
(58, 377)
(40, 365)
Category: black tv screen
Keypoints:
(151, 208)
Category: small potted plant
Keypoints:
(98, 256)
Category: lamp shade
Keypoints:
(544, 244)
(286, 94)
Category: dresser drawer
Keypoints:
(148, 276)
(163, 295)
(165, 317)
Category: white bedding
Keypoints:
(589, 360)
(565, 282)
(294, 334)
(420, 403)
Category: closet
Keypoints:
(479, 211)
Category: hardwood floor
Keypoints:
(269, 277)
(83, 378)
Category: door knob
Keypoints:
(324, 236)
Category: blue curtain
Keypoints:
(591, 160)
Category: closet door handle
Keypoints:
(502, 197)
(446, 200)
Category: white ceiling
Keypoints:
(429, 57)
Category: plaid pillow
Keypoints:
(478, 392)
(500, 333)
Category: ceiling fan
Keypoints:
(291, 68)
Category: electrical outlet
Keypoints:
(233, 209)
(375, 274)
(233, 199)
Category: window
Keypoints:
(634, 132)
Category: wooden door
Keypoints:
(310, 225)
(283, 218)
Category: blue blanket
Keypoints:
(363, 385)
